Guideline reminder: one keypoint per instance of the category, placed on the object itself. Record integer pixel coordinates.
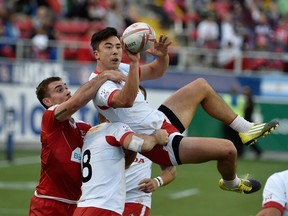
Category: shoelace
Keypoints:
(243, 187)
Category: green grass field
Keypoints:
(194, 192)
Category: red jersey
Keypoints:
(61, 176)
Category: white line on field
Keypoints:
(17, 185)
(184, 193)
(20, 161)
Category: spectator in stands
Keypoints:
(263, 31)
(243, 23)
(281, 35)
(40, 45)
(96, 10)
(228, 33)
(273, 14)
(114, 18)
(77, 9)
(249, 110)
(8, 30)
(132, 15)
(42, 19)
(228, 56)
(208, 31)
(41, 35)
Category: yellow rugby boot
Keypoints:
(257, 131)
(246, 186)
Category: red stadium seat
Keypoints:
(25, 26)
(71, 47)
(72, 27)
(96, 26)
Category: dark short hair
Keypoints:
(42, 88)
(102, 35)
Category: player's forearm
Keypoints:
(161, 63)
(127, 96)
(81, 97)
(88, 91)
(149, 143)
(159, 66)
(168, 174)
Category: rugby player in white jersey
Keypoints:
(123, 102)
(103, 166)
(275, 195)
(140, 185)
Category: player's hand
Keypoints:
(133, 57)
(114, 75)
(160, 48)
(161, 136)
(148, 185)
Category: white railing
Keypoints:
(188, 58)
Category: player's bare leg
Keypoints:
(194, 150)
(186, 100)
(200, 150)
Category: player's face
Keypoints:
(58, 93)
(109, 54)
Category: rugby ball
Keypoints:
(138, 37)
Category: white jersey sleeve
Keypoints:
(276, 190)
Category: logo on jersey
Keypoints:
(76, 155)
(126, 128)
(104, 93)
(139, 160)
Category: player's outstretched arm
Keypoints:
(85, 93)
(160, 65)
(143, 143)
(168, 174)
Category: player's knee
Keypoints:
(229, 149)
(202, 84)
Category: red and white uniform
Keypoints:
(103, 167)
(139, 170)
(275, 192)
(60, 161)
(141, 117)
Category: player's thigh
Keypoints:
(201, 149)
(184, 102)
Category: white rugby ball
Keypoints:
(138, 37)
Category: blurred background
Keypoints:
(235, 45)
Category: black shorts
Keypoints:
(177, 124)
